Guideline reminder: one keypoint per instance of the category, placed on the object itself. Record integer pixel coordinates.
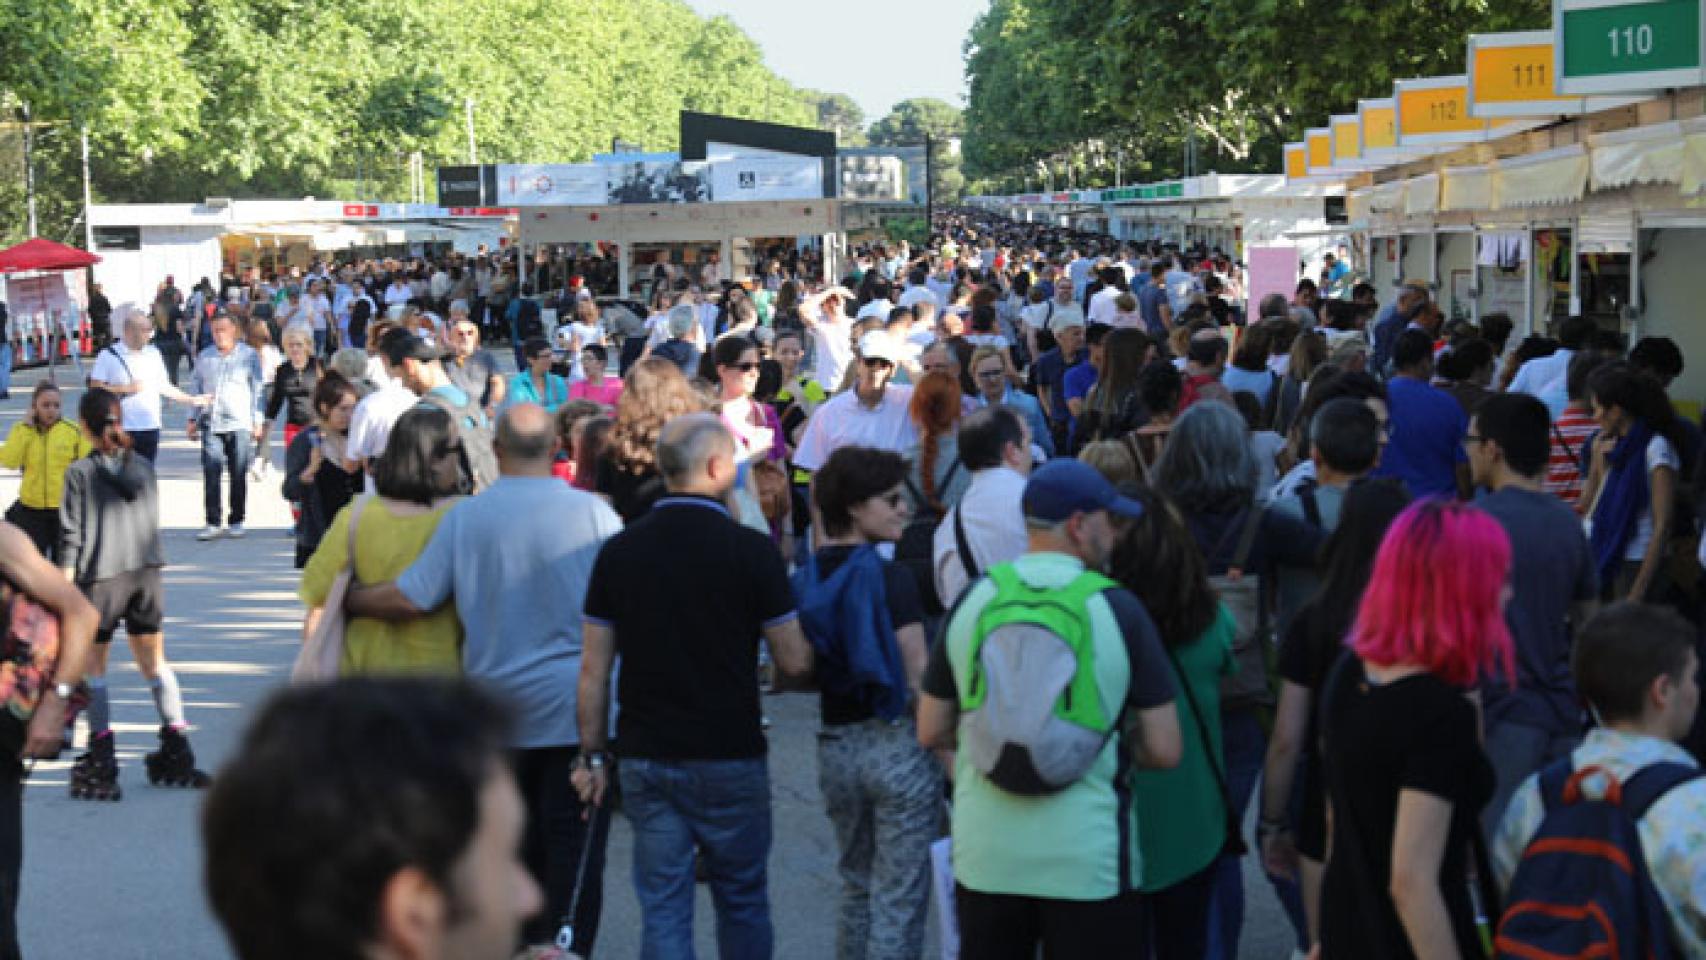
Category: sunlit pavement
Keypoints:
(122, 881)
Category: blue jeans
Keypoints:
(233, 451)
(723, 808)
(5, 366)
(1246, 745)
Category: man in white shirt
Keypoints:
(832, 334)
(916, 289)
(1540, 375)
(1181, 285)
(133, 369)
(370, 425)
(1102, 307)
(319, 309)
(880, 306)
(872, 414)
(995, 446)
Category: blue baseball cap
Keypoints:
(1061, 488)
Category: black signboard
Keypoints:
(118, 238)
(468, 186)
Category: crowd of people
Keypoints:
(1083, 554)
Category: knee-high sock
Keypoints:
(168, 698)
(100, 708)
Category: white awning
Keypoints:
(1421, 195)
(1694, 164)
(1553, 177)
(1467, 188)
(1651, 154)
(1387, 199)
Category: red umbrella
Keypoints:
(40, 254)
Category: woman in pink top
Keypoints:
(597, 387)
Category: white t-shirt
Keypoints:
(994, 527)
(1102, 309)
(912, 295)
(370, 425)
(876, 308)
(996, 340)
(588, 333)
(1660, 453)
(119, 365)
(844, 422)
(319, 310)
(832, 339)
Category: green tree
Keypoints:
(1047, 77)
(186, 99)
(909, 122)
(840, 113)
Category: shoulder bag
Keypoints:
(323, 649)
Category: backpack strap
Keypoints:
(1234, 827)
(1063, 612)
(1311, 506)
(1652, 782)
(964, 545)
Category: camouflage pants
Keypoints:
(883, 793)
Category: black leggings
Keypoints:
(41, 526)
(556, 835)
(1004, 927)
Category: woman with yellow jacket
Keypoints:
(42, 445)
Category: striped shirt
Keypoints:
(1571, 433)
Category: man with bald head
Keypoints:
(515, 560)
(693, 770)
(134, 369)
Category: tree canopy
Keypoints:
(185, 99)
(1074, 83)
(907, 123)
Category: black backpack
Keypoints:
(914, 550)
(360, 313)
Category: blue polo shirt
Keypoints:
(1079, 381)
(1428, 427)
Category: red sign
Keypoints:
(482, 211)
(361, 210)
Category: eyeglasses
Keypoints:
(742, 367)
(991, 374)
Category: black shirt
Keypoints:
(1306, 657)
(905, 609)
(1415, 733)
(295, 387)
(688, 591)
(631, 494)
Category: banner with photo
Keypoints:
(767, 178)
(645, 182)
(872, 177)
(552, 184)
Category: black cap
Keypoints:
(400, 344)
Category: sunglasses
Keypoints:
(877, 362)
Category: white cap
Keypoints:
(878, 344)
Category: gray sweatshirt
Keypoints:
(109, 518)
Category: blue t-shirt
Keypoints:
(1427, 431)
(1149, 300)
(1552, 569)
(1079, 381)
(1051, 373)
(1258, 382)
(518, 589)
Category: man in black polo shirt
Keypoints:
(693, 755)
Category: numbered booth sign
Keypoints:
(1620, 46)
(1436, 111)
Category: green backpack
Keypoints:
(1033, 717)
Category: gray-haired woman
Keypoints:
(1209, 469)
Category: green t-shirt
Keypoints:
(1180, 814)
(1069, 845)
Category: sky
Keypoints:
(879, 52)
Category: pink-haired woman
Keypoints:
(1406, 774)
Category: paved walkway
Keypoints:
(123, 881)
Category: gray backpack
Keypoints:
(479, 460)
(1034, 721)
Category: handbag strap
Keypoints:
(1568, 450)
(354, 519)
(1234, 829)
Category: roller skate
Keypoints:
(95, 774)
(173, 765)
